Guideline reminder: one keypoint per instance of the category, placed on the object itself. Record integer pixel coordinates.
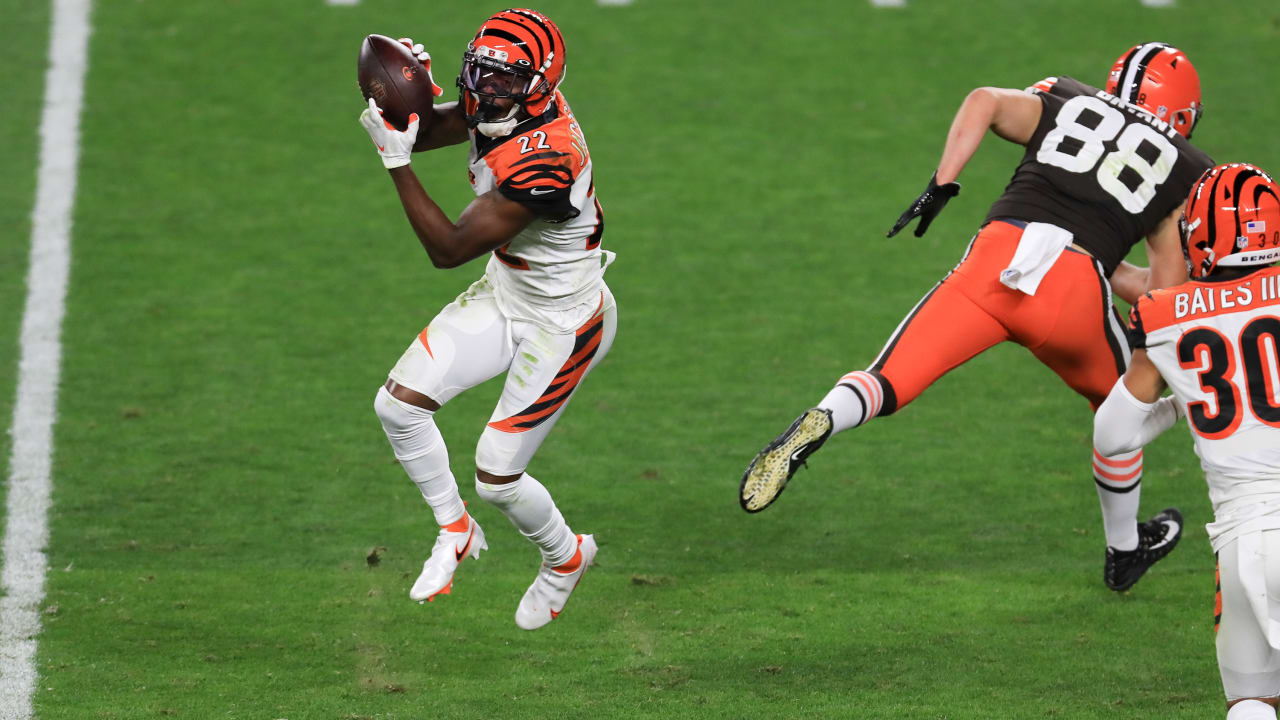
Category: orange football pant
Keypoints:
(1070, 323)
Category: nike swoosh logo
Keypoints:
(795, 456)
(380, 148)
(541, 191)
(1171, 531)
(463, 552)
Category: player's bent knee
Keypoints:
(501, 493)
(504, 454)
(410, 429)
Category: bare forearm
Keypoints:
(1011, 114)
(1164, 253)
(1130, 281)
(967, 130)
(1167, 270)
(429, 222)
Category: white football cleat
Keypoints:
(546, 597)
(448, 552)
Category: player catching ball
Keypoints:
(1102, 170)
(1215, 341)
(542, 313)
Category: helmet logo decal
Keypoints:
(1242, 201)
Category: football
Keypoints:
(390, 74)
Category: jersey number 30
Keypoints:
(1208, 352)
(1143, 158)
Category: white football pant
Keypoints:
(1249, 630)
(471, 340)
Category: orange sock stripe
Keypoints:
(1115, 477)
(1116, 464)
(873, 391)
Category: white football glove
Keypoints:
(393, 145)
(424, 57)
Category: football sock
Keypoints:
(1251, 710)
(1119, 482)
(855, 399)
(529, 507)
(420, 448)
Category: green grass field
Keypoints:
(243, 278)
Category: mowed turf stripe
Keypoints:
(26, 530)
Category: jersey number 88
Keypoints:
(1143, 174)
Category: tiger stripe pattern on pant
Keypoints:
(564, 383)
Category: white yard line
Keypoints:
(27, 505)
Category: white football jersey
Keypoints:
(1217, 345)
(555, 265)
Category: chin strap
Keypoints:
(497, 129)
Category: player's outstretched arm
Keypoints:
(1010, 114)
(488, 223)
(1134, 413)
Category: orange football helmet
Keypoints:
(1159, 78)
(1231, 219)
(517, 54)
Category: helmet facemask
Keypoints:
(493, 91)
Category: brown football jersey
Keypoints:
(1105, 170)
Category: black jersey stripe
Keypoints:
(538, 156)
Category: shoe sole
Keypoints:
(771, 470)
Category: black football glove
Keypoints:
(927, 206)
